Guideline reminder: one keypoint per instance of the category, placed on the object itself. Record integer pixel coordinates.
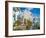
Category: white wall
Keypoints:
(2, 19)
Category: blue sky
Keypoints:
(35, 11)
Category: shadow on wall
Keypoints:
(8, 37)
